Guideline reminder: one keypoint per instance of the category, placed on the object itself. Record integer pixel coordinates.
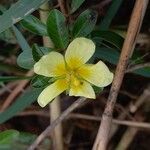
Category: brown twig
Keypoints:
(123, 115)
(101, 4)
(140, 101)
(62, 7)
(34, 113)
(135, 124)
(16, 91)
(139, 66)
(57, 135)
(128, 47)
(55, 110)
(49, 129)
(128, 136)
(7, 88)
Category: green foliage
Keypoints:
(98, 90)
(143, 72)
(34, 25)
(111, 55)
(110, 37)
(7, 35)
(25, 59)
(115, 5)
(18, 11)
(15, 140)
(13, 78)
(84, 24)
(40, 81)
(7, 138)
(57, 29)
(75, 4)
(107, 54)
(38, 52)
(20, 104)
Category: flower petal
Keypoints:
(97, 74)
(79, 51)
(84, 89)
(50, 92)
(50, 65)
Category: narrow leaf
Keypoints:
(7, 35)
(13, 78)
(107, 54)
(18, 11)
(104, 25)
(34, 25)
(40, 81)
(112, 56)
(20, 104)
(143, 72)
(38, 52)
(84, 24)
(25, 59)
(109, 36)
(57, 29)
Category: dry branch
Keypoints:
(57, 137)
(127, 50)
(50, 128)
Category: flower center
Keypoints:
(75, 81)
(72, 78)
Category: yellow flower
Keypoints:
(71, 73)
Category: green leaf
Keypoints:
(25, 139)
(13, 78)
(143, 72)
(15, 140)
(104, 25)
(40, 81)
(112, 56)
(2, 9)
(57, 30)
(7, 136)
(7, 35)
(20, 104)
(25, 59)
(98, 90)
(84, 24)
(34, 25)
(110, 37)
(107, 54)
(75, 4)
(18, 11)
(38, 52)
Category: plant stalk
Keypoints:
(55, 105)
